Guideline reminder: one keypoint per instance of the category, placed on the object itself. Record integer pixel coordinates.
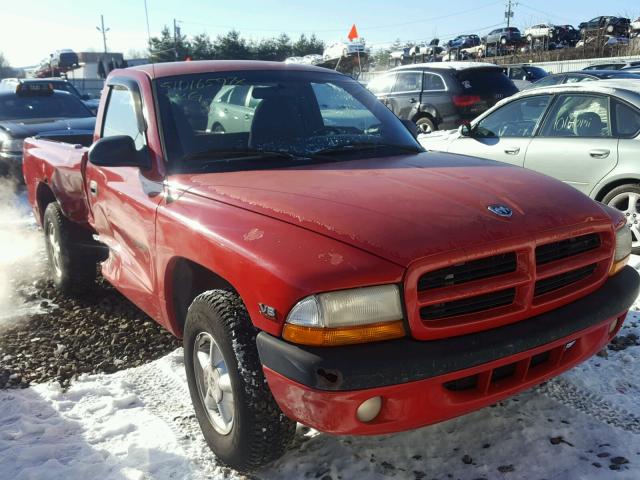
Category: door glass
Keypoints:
(627, 120)
(408, 82)
(433, 82)
(120, 118)
(382, 84)
(239, 95)
(516, 119)
(578, 116)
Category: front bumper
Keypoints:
(425, 382)
(11, 164)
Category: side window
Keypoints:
(239, 95)
(627, 120)
(382, 84)
(517, 73)
(432, 82)
(548, 81)
(408, 82)
(578, 116)
(516, 119)
(120, 117)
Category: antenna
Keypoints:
(146, 14)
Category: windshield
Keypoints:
(210, 119)
(56, 105)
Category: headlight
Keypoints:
(623, 249)
(11, 145)
(357, 315)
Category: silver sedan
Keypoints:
(587, 135)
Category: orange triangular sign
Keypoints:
(353, 34)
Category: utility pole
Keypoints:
(103, 31)
(176, 35)
(509, 13)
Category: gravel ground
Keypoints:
(100, 332)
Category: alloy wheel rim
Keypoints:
(628, 203)
(213, 383)
(54, 250)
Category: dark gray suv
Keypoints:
(441, 96)
(503, 36)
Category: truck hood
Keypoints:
(403, 208)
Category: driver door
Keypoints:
(505, 134)
(123, 202)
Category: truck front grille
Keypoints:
(468, 271)
(487, 289)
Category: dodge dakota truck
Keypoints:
(319, 266)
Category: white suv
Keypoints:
(540, 31)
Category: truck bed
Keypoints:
(53, 166)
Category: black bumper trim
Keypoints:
(380, 364)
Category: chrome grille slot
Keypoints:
(567, 278)
(468, 271)
(468, 305)
(551, 252)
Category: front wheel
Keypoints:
(503, 41)
(239, 417)
(425, 125)
(626, 198)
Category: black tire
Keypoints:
(217, 128)
(617, 192)
(260, 433)
(426, 125)
(72, 270)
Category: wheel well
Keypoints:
(188, 280)
(610, 186)
(44, 196)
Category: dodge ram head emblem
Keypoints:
(500, 210)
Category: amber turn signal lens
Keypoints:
(329, 337)
(617, 266)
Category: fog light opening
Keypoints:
(613, 326)
(369, 409)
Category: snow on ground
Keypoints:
(139, 424)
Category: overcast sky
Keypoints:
(31, 29)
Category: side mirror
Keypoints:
(117, 151)
(465, 130)
(411, 126)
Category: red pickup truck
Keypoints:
(318, 264)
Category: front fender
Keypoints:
(267, 261)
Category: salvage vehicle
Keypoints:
(583, 76)
(503, 36)
(542, 30)
(324, 274)
(586, 134)
(605, 25)
(523, 75)
(36, 109)
(441, 95)
(56, 83)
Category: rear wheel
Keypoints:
(425, 125)
(529, 38)
(239, 417)
(72, 270)
(626, 198)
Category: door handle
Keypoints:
(599, 153)
(247, 116)
(413, 100)
(93, 187)
(512, 150)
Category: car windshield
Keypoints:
(238, 120)
(56, 105)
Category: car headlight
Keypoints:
(623, 249)
(344, 317)
(10, 145)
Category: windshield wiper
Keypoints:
(361, 146)
(239, 154)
